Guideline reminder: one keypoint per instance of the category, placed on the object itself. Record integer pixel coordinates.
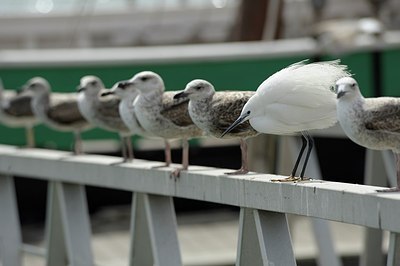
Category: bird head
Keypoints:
(347, 88)
(90, 85)
(147, 82)
(37, 85)
(122, 89)
(197, 89)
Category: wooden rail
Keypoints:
(264, 238)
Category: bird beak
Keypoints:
(238, 121)
(340, 94)
(80, 88)
(109, 92)
(180, 95)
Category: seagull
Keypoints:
(15, 111)
(103, 112)
(294, 100)
(57, 110)
(163, 116)
(126, 108)
(373, 123)
(213, 112)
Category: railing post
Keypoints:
(154, 239)
(374, 163)
(10, 230)
(289, 148)
(68, 226)
(394, 250)
(264, 239)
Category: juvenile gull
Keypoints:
(126, 108)
(295, 99)
(370, 122)
(103, 112)
(57, 110)
(214, 112)
(16, 111)
(163, 116)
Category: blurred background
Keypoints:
(232, 43)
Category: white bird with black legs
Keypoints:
(294, 100)
(373, 123)
(57, 110)
(214, 112)
(16, 111)
(163, 116)
(103, 111)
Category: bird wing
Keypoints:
(20, 105)
(176, 110)
(300, 90)
(64, 108)
(384, 117)
(109, 106)
(228, 106)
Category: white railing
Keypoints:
(264, 238)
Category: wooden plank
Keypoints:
(10, 231)
(154, 231)
(343, 202)
(69, 231)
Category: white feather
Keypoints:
(297, 98)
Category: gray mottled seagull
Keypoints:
(161, 115)
(214, 112)
(126, 108)
(16, 111)
(57, 110)
(373, 123)
(103, 111)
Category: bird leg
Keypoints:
(310, 143)
(77, 143)
(129, 148)
(167, 152)
(185, 159)
(30, 137)
(397, 188)
(123, 148)
(244, 169)
(127, 152)
(306, 140)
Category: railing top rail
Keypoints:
(349, 203)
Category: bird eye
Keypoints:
(121, 85)
(93, 83)
(197, 87)
(353, 85)
(248, 112)
(144, 78)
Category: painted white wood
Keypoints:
(10, 229)
(394, 250)
(154, 231)
(264, 239)
(375, 174)
(248, 248)
(343, 202)
(289, 147)
(68, 227)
